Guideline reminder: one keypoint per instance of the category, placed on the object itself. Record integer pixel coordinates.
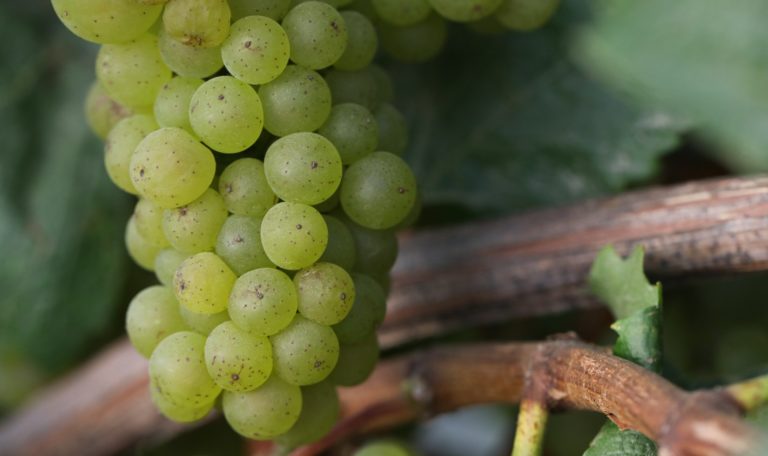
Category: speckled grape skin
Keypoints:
(265, 412)
(415, 43)
(317, 33)
(305, 352)
(195, 227)
(202, 283)
(120, 145)
(367, 312)
(132, 73)
(353, 130)
(171, 168)
(140, 249)
(245, 188)
(256, 50)
(392, 129)
(402, 12)
(263, 301)
(378, 191)
(106, 21)
(177, 370)
(319, 413)
(226, 114)
(274, 9)
(152, 315)
(200, 23)
(172, 103)
(362, 42)
(356, 361)
(463, 10)
(294, 235)
(202, 323)
(360, 87)
(149, 221)
(166, 263)
(176, 412)
(326, 293)
(525, 15)
(298, 100)
(341, 245)
(189, 61)
(239, 244)
(102, 112)
(303, 168)
(236, 360)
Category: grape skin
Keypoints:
(293, 235)
(202, 283)
(317, 34)
(305, 352)
(257, 50)
(265, 412)
(236, 360)
(152, 315)
(298, 100)
(106, 21)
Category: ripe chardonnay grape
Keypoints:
(356, 361)
(392, 129)
(148, 218)
(319, 413)
(265, 412)
(273, 9)
(106, 21)
(172, 103)
(326, 293)
(198, 23)
(293, 235)
(152, 315)
(202, 283)
(245, 189)
(102, 112)
(367, 311)
(298, 100)
(142, 250)
(465, 11)
(353, 130)
(317, 34)
(415, 43)
(402, 12)
(120, 145)
(256, 50)
(239, 244)
(189, 61)
(166, 263)
(178, 412)
(305, 352)
(526, 15)
(341, 248)
(263, 301)
(362, 42)
(195, 227)
(237, 360)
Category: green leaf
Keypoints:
(500, 123)
(639, 338)
(611, 441)
(705, 60)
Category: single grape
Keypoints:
(198, 23)
(463, 10)
(175, 412)
(148, 218)
(256, 51)
(239, 244)
(317, 33)
(392, 129)
(102, 112)
(353, 130)
(226, 114)
(360, 87)
(120, 145)
(376, 250)
(383, 448)
(298, 100)
(236, 360)
(132, 73)
(140, 249)
(415, 43)
(413, 215)
(364, 7)
(341, 245)
(171, 168)
(293, 235)
(263, 301)
(202, 283)
(378, 191)
(189, 61)
(319, 413)
(195, 227)
(273, 9)
(304, 352)
(152, 315)
(265, 412)
(245, 189)
(172, 103)
(386, 90)
(367, 311)
(177, 371)
(356, 361)
(362, 42)
(402, 12)
(106, 21)
(525, 15)
(203, 323)
(303, 168)
(166, 263)
(326, 293)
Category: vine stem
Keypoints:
(531, 425)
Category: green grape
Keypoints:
(334, 3)
(413, 215)
(239, 244)
(177, 371)
(166, 263)
(392, 129)
(172, 103)
(263, 413)
(194, 228)
(353, 130)
(171, 168)
(376, 249)
(175, 412)
(245, 188)
(263, 301)
(298, 100)
(236, 360)
(120, 145)
(317, 34)
(341, 245)
(106, 21)
(102, 112)
(378, 191)
(525, 15)
(203, 323)
(202, 283)
(326, 293)
(356, 361)
(294, 235)
(360, 87)
(364, 7)
(189, 61)
(383, 448)
(319, 413)
(465, 11)
(132, 73)
(303, 168)
(152, 315)
(226, 114)
(362, 42)
(141, 250)
(367, 312)
(199, 23)
(402, 12)
(386, 90)
(304, 352)
(273, 9)
(414, 43)
(148, 218)
(384, 281)
(330, 204)
(489, 25)
(257, 50)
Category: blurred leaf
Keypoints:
(621, 284)
(611, 441)
(500, 123)
(639, 339)
(705, 60)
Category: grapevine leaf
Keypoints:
(611, 441)
(639, 339)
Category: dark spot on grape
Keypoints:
(235, 377)
(298, 226)
(183, 211)
(247, 44)
(228, 188)
(239, 239)
(343, 296)
(313, 165)
(221, 97)
(141, 172)
(401, 190)
(182, 285)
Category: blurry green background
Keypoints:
(610, 95)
